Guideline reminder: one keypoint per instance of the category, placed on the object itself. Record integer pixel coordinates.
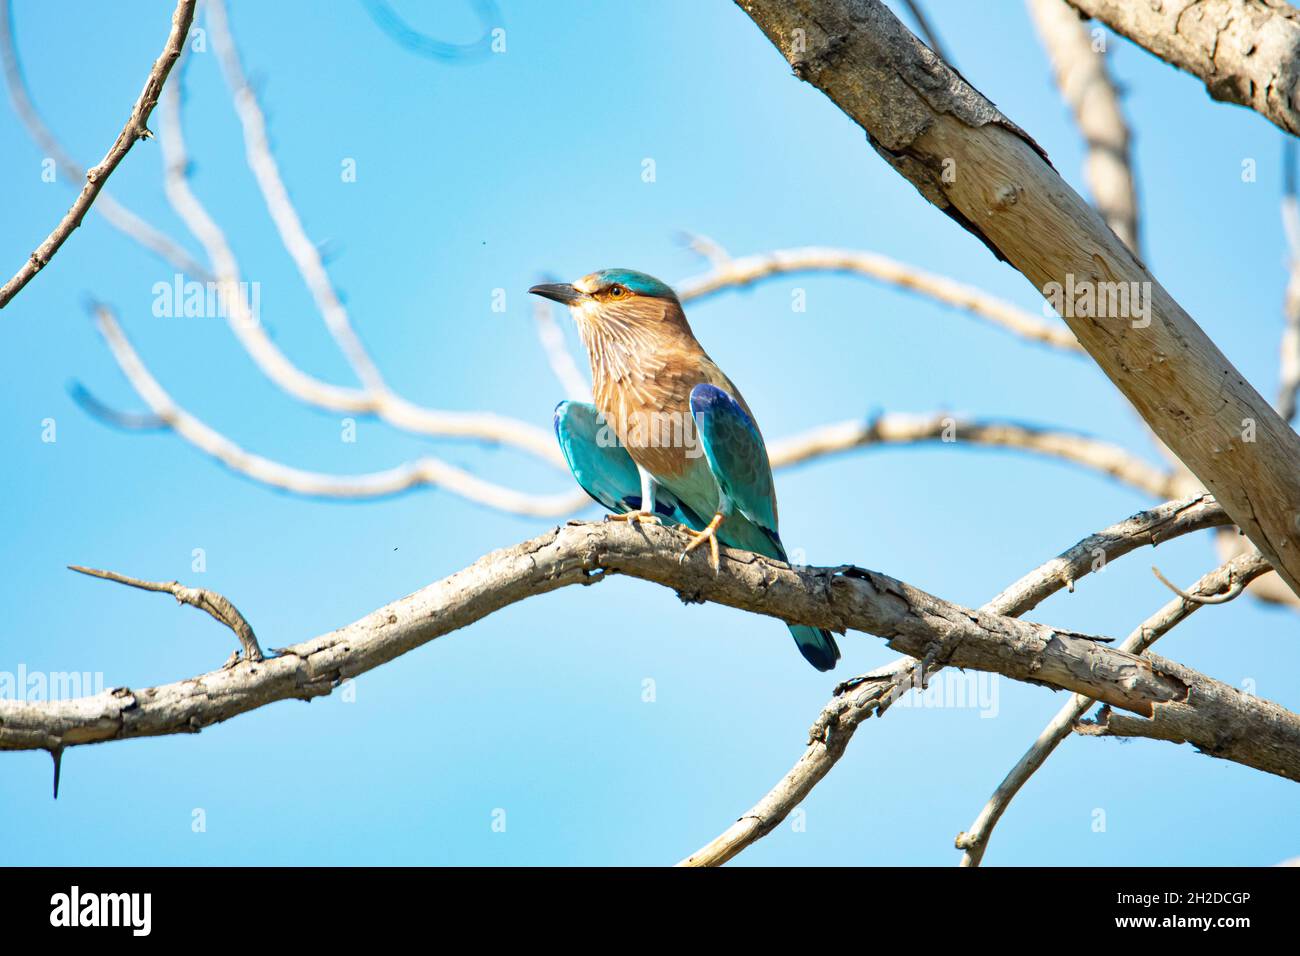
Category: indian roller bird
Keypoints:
(669, 440)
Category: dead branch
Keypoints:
(1230, 577)
(747, 270)
(1243, 50)
(1085, 83)
(216, 605)
(871, 695)
(136, 128)
(1174, 699)
(989, 176)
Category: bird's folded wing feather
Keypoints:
(605, 470)
(736, 454)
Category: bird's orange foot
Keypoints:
(709, 534)
(636, 517)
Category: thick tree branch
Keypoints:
(1224, 581)
(989, 176)
(1245, 51)
(910, 620)
(136, 128)
(872, 694)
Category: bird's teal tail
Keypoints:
(817, 646)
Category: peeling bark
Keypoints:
(1245, 51)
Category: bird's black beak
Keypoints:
(560, 292)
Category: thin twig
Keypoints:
(136, 128)
(1234, 576)
(93, 406)
(1234, 589)
(748, 270)
(115, 214)
(216, 605)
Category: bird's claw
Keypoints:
(709, 534)
(637, 517)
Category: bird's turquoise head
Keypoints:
(614, 302)
(606, 287)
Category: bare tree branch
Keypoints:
(136, 128)
(1243, 50)
(117, 215)
(305, 254)
(1086, 85)
(1230, 577)
(872, 694)
(901, 429)
(885, 429)
(989, 176)
(422, 471)
(1176, 699)
(373, 400)
(216, 605)
(747, 270)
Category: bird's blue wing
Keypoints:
(739, 462)
(603, 467)
(736, 454)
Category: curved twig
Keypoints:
(557, 351)
(216, 605)
(422, 471)
(1234, 588)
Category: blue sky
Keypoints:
(478, 176)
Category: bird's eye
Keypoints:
(616, 291)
